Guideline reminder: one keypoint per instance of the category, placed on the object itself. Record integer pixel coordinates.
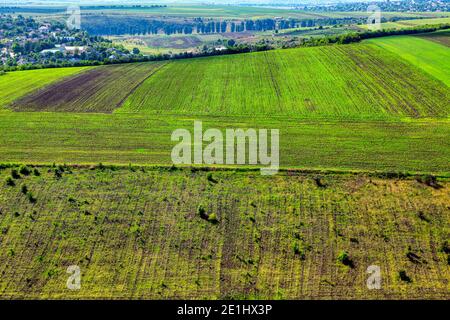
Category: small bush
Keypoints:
(430, 181)
(15, 174)
(423, 217)
(202, 213)
(211, 178)
(10, 182)
(445, 247)
(24, 189)
(24, 170)
(404, 277)
(31, 198)
(213, 218)
(58, 174)
(344, 258)
(36, 172)
(299, 251)
(320, 183)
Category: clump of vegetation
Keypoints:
(213, 218)
(413, 257)
(101, 167)
(345, 259)
(445, 247)
(211, 178)
(31, 198)
(36, 172)
(24, 189)
(58, 172)
(298, 250)
(10, 182)
(205, 216)
(404, 277)
(15, 174)
(423, 217)
(202, 213)
(430, 181)
(320, 183)
(24, 170)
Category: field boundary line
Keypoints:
(247, 169)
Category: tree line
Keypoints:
(233, 48)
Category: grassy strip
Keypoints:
(397, 146)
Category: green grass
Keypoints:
(429, 56)
(422, 22)
(361, 80)
(138, 235)
(14, 85)
(413, 146)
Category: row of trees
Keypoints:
(121, 25)
(233, 48)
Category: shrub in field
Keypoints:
(211, 178)
(430, 181)
(10, 182)
(15, 174)
(404, 277)
(202, 213)
(423, 217)
(205, 216)
(345, 259)
(445, 247)
(58, 173)
(24, 170)
(413, 257)
(31, 198)
(24, 189)
(213, 218)
(298, 250)
(320, 183)
(36, 172)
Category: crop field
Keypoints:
(441, 37)
(338, 81)
(427, 55)
(101, 89)
(393, 146)
(14, 85)
(143, 233)
(364, 179)
(422, 22)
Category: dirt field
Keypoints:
(102, 89)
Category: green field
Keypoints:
(358, 81)
(427, 55)
(14, 85)
(138, 234)
(364, 152)
(346, 108)
(339, 81)
(393, 146)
